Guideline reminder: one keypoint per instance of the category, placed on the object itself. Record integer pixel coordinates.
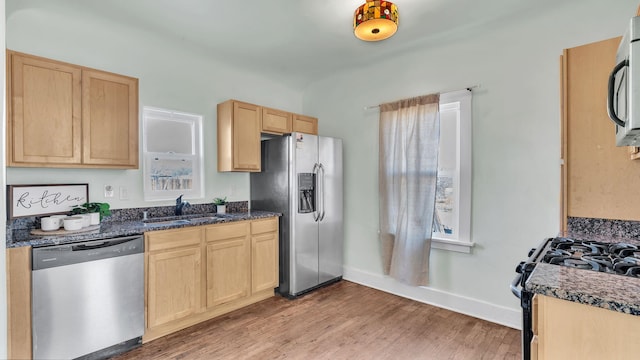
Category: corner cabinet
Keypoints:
(64, 115)
(238, 136)
(568, 330)
(197, 273)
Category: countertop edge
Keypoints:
(608, 291)
(117, 229)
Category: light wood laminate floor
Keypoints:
(342, 321)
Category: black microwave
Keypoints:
(623, 100)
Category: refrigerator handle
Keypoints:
(322, 192)
(316, 212)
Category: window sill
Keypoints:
(451, 245)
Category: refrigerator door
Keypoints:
(303, 241)
(330, 204)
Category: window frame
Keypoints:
(196, 156)
(462, 242)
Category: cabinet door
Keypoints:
(19, 302)
(109, 119)
(569, 330)
(592, 162)
(264, 261)
(227, 262)
(246, 137)
(44, 122)
(238, 136)
(276, 121)
(305, 124)
(173, 285)
(227, 271)
(264, 255)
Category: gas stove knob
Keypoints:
(531, 251)
(520, 267)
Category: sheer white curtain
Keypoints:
(409, 140)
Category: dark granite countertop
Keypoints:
(109, 229)
(605, 290)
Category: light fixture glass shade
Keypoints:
(375, 20)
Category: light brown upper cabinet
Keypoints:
(109, 119)
(598, 179)
(305, 124)
(239, 136)
(239, 128)
(276, 121)
(65, 115)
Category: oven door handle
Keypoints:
(515, 286)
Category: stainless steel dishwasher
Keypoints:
(88, 298)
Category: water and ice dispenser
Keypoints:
(306, 192)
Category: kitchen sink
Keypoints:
(183, 219)
(166, 222)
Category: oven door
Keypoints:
(526, 298)
(523, 270)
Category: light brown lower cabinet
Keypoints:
(19, 302)
(173, 276)
(227, 262)
(568, 330)
(197, 273)
(264, 250)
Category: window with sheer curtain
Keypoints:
(408, 165)
(425, 181)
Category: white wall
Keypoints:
(171, 75)
(516, 146)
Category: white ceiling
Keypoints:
(298, 41)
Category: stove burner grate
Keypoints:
(619, 258)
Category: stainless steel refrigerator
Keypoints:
(301, 178)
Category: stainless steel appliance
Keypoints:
(615, 258)
(88, 298)
(623, 101)
(302, 179)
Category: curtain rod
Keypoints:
(468, 88)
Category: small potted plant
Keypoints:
(221, 204)
(100, 210)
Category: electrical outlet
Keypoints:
(124, 193)
(108, 191)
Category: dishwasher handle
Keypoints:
(93, 246)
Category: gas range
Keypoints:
(614, 258)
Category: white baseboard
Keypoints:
(461, 304)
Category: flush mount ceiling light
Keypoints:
(375, 20)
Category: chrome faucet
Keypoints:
(180, 205)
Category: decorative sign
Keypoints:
(32, 200)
